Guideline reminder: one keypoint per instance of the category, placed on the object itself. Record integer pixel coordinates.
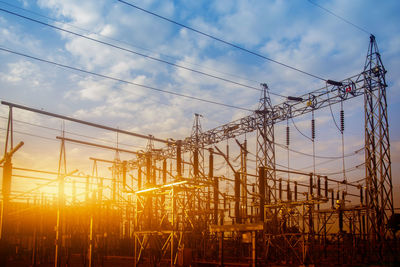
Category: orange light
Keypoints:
(176, 183)
(146, 190)
(163, 186)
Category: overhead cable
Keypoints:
(339, 17)
(294, 124)
(72, 133)
(127, 43)
(310, 155)
(124, 81)
(222, 41)
(136, 53)
(321, 157)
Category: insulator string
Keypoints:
(313, 139)
(287, 145)
(342, 132)
(313, 128)
(342, 119)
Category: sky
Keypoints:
(296, 33)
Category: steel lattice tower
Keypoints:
(197, 157)
(266, 142)
(377, 148)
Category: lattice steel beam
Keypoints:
(377, 147)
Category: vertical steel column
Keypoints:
(179, 158)
(154, 176)
(173, 225)
(60, 217)
(261, 189)
(115, 172)
(60, 207)
(197, 155)
(149, 199)
(237, 198)
(288, 191)
(244, 178)
(253, 248)
(164, 181)
(243, 172)
(136, 228)
(91, 234)
(326, 186)
(377, 148)
(216, 185)
(266, 140)
(196, 162)
(6, 190)
(361, 196)
(124, 170)
(148, 168)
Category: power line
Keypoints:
(31, 135)
(124, 81)
(341, 171)
(310, 155)
(330, 158)
(321, 173)
(339, 17)
(129, 44)
(48, 138)
(294, 124)
(126, 43)
(135, 52)
(320, 157)
(73, 133)
(320, 163)
(222, 41)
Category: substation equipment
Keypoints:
(163, 210)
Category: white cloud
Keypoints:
(93, 90)
(84, 13)
(12, 37)
(296, 33)
(19, 71)
(108, 30)
(22, 73)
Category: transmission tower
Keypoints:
(377, 147)
(266, 144)
(197, 158)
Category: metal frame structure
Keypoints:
(169, 218)
(377, 148)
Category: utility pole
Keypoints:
(6, 190)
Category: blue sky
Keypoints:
(296, 33)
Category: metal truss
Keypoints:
(292, 107)
(266, 143)
(372, 85)
(377, 148)
(168, 220)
